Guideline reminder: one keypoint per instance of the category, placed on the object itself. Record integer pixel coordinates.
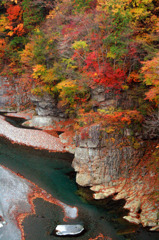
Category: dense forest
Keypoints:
(66, 48)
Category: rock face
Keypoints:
(103, 99)
(101, 157)
(3, 99)
(47, 106)
(13, 201)
(11, 98)
(47, 111)
(110, 164)
(42, 121)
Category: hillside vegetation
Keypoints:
(66, 48)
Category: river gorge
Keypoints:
(40, 191)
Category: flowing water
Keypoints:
(53, 172)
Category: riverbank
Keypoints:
(50, 173)
(133, 216)
(17, 202)
(33, 138)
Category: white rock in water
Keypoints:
(1, 225)
(63, 230)
(2, 222)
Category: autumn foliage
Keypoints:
(66, 48)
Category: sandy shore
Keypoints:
(35, 138)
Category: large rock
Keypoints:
(4, 99)
(103, 98)
(13, 202)
(11, 97)
(66, 230)
(47, 105)
(101, 157)
(42, 121)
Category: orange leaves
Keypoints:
(19, 30)
(133, 77)
(14, 13)
(2, 47)
(38, 71)
(150, 70)
(101, 237)
(15, 21)
(123, 117)
(113, 121)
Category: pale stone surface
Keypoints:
(104, 99)
(70, 212)
(34, 138)
(106, 161)
(156, 228)
(109, 192)
(120, 195)
(98, 196)
(65, 230)
(13, 200)
(133, 205)
(101, 156)
(96, 188)
(42, 121)
(70, 149)
(3, 98)
(132, 219)
(83, 179)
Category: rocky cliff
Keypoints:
(112, 161)
(47, 111)
(101, 157)
(3, 98)
(112, 164)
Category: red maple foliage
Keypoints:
(103, 73)
(13, 12)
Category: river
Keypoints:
(53, 173)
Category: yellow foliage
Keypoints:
(110, 130)
(137, 8)
(15, 1)
(52, 14)
(38, 71)
(49, 76)
(66, 83)
(3, 23)
(125, 87)
(110, 110)
(111, 55)
(27, 54)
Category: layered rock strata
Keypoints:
(47, 111)
(101, 157)
(110, 165)
(47, 105)
(103, 99)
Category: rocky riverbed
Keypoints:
(34, 138)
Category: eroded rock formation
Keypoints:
(111, 164)
(101, 157)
